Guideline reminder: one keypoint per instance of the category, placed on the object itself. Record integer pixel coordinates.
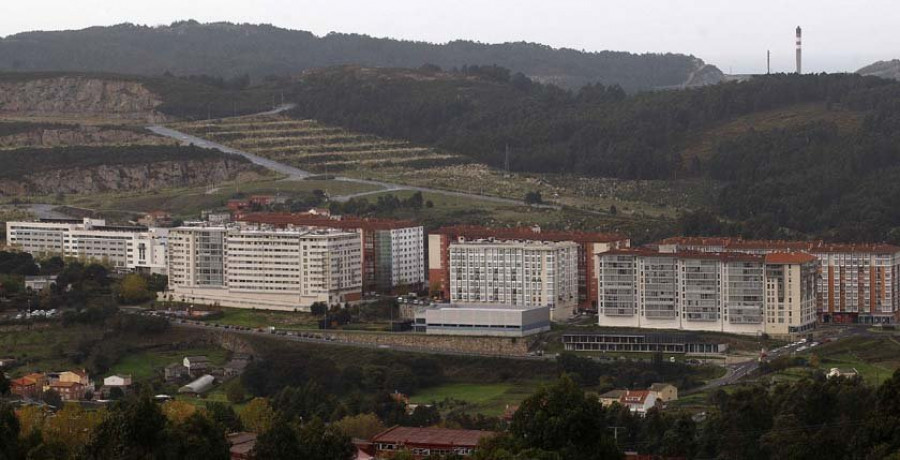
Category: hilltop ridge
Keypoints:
(229, 50)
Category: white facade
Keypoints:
(126, 248)
(484, 320)
(258, 267)
(525, 273)
(407, 256)
(710, 292)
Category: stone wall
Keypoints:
(514, 346)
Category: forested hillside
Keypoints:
(832, 171)
(232, 50)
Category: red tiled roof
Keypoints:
(528, 233)
(723, 256)
(314, 220)
(634, 396)
(815, 246)
(22, 382)
(789, 258)
(431, 436)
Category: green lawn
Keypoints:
(265, 318)
(487, 399)
(144, 365)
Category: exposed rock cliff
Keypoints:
(82, 96)
(107, 178)
(883, 69)
(81, 135)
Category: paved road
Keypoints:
(299, 174)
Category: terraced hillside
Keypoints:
(325, 149)
(313, 146)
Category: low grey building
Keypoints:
(483, 320)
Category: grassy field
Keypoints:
(488, 399)
(147, 364)
(265, 318)
(188, 202)
(42, 347)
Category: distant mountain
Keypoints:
(230, 50)
(883, 69)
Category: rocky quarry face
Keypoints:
(81, 135)
(112, 178)
(82, 96)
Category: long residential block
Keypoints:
(264, 267)
(696, 291)
(855, 283)
(393, 251)
(123, 247)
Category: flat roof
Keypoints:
(485, 307)
(529, 233)
(431, 436)
(814, 246)
(723, 256)
(317, 220)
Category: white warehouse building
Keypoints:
(515, 272)
(483, 320)
(125, 248)
(264, 267)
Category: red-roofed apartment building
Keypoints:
(423, 442)
(707, 291)
(496, 261)
(393, 250)
(856, 282)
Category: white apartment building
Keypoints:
(855, 283)
(406, 259)
(125, 248)
(735, 293)
(264, 267)
(513, 272)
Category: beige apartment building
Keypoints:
(515, 272)
(264, 267)
(697, 291)
(123, 247)
(856, 283)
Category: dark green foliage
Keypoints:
(563, 419)
(224, 415)
(4, 384)
(198, 437)
(18, 263)
(311, 440)
(52, 398)
(134, 428)
(234, 50)
(383, 206)
(9, 433)
(15, 164)
(629, 374)
(533, 198)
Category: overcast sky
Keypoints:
(839, 35)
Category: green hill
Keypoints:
(797, 155)
(231, 50)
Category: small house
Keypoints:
(25, 387)
(39, 283)
(196, 364)
(241, 444)
(842, 372)
(664, 392)
(174, 372)
(638, 401)
(77, 376)
(610, 397)
(69, 391)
